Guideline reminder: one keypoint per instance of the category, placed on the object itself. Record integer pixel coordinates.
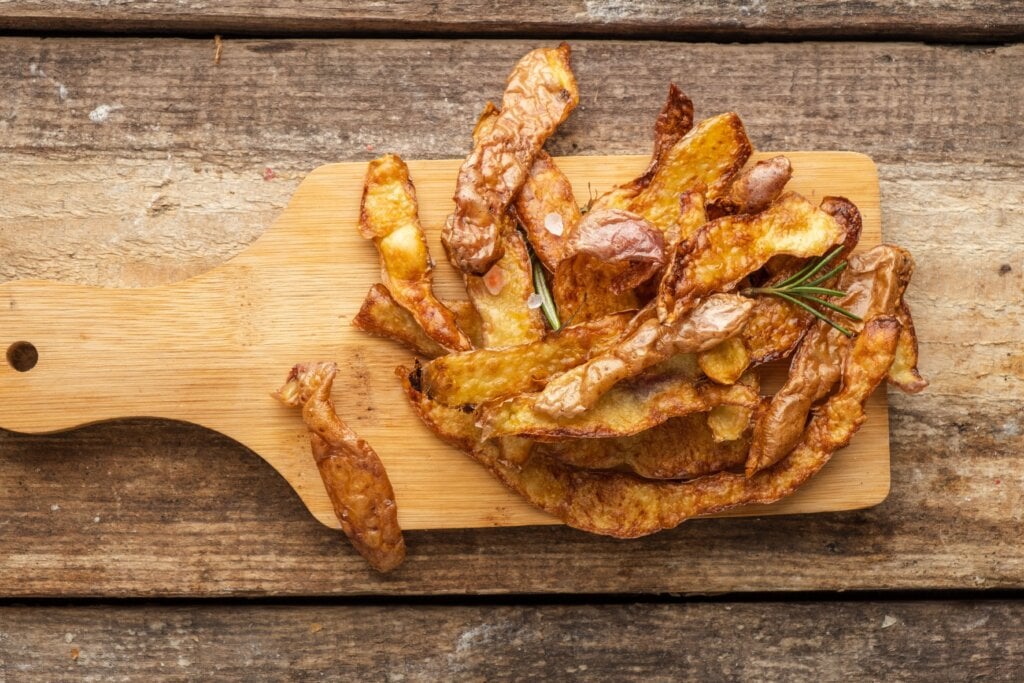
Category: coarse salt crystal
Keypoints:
(494, 280)
(535, 301)
(553, 224)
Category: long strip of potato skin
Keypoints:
(649, 342)
(501, 298)
(874, 283)
(474, 377)
(712, 154)
(728, 249)
(381, 316)
(680, 448)
(625, 506)
(669, 389)
(390, 217)
(540, 93)
(353, 474)
(547, 210)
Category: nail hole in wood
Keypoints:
(22, 356)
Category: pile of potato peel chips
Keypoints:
(619, 390)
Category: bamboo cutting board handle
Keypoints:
(210, 349)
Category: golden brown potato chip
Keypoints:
(608, 254)
(729, 423)
(501, 298)
(540, 93)
(719, 317)
(726, 250)
(389, 216)
(903, 373)
(755, 188)
(473, 377)
(711, 154)
(725, 362)
(669, 389)
(547, 210)
(680, 448)
(380, 315)
(874, 283)
(623, 505)
(354, 476)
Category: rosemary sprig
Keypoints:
(540, 285)
(803, 289)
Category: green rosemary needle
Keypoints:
(802, 289)
(540, 286)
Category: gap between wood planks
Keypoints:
(535, 599)
(711, 36)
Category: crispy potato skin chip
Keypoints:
(667, 390)
(608, 254)
(874, 283)
(573, 392)
(390, 217)
(725, 362)
(540, 93)
(380, 315)
(473, 377)
(625, 506)
(547, 192)
(354, 476)
(903, 373)
(755, 188)
(680, 448)
(728, 249)
(711, 154)
(500, 298)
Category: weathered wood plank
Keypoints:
(956, 21)
(845, 641)
(151, 164)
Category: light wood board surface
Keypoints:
(209, 350)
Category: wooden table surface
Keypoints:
(143, 548)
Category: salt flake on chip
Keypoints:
(553, 224)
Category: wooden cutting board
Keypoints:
(210, 349)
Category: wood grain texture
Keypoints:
(189, 163)
(950, 20)
(210, 349)
(771, 641)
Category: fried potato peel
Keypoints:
(711, 154)
(547, 210)
(903, 373)
(501, 298)
(719, 317)
(540, 93)
(390, 217)
(874, 283)
(625, 506)
(755, 188)
(353, 474)
(726, 361)
(610, 252)
(674, 121)
(670, 389)
(679, 448)
(473, 377)
(728, 249)
(381, 316)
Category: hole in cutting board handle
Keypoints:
(22, 356)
